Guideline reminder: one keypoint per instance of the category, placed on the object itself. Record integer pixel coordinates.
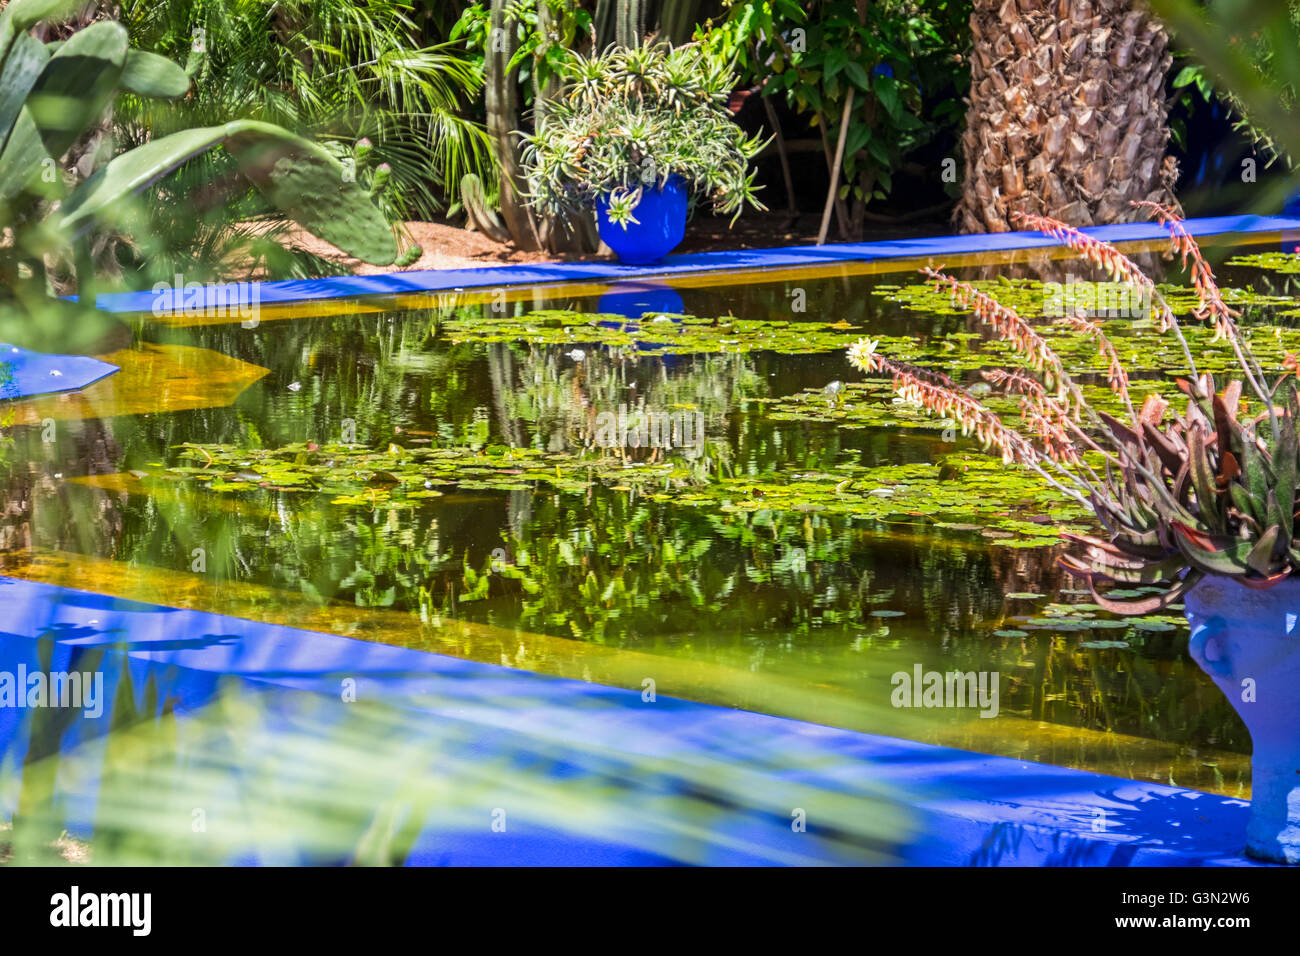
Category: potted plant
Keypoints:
(638, 134)
(1204, 500)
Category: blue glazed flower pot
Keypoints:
(1245, 640)
(660, 225)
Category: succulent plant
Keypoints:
(1210, 492)
(630, 119)
(1212, 495)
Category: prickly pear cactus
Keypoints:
(298, 177)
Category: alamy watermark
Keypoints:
(242, 300)
(82, 691)
(647, 428)
(133, 911)
(1107, 300)
(922, 688)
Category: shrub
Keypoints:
(631, 118)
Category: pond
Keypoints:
(683, 483)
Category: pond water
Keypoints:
(465, 474)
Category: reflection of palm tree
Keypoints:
(90, 517)
(565, 396)
(501, 368)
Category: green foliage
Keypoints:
(902, 60)
(49, 99)
(333, 70)
(630, 119)
(1252, 50)
(542, 53)
(1191, 88)
(298, 177)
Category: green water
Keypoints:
(800, 608)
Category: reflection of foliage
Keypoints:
(791, 591)
(354, 475)
(6, 419)
(398, 477)
(560, 399)
(627, 573)
(296, 778)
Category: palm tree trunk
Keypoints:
(1068, 113)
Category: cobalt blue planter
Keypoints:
(660, 225)
(1292, 206)
(1245, 639)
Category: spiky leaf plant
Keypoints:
(1212, 491)
(630, 119)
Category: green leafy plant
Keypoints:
(52, 95)
(1252, 53)
(631, 119)
(332, 70)
(547, 30)
(880, 79)
(1210, 492)
(521, 47)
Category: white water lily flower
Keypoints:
(862, 354)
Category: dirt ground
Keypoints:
(452, 247)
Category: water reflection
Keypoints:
(795, 612)
(470, 768)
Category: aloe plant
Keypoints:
(51, 94)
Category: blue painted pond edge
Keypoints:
(964, 808)
(788, 257)
(24, 373)
(967, 808)
(35, 373)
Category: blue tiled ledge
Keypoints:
(957, 807)
(24, 373)
(789, 257)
